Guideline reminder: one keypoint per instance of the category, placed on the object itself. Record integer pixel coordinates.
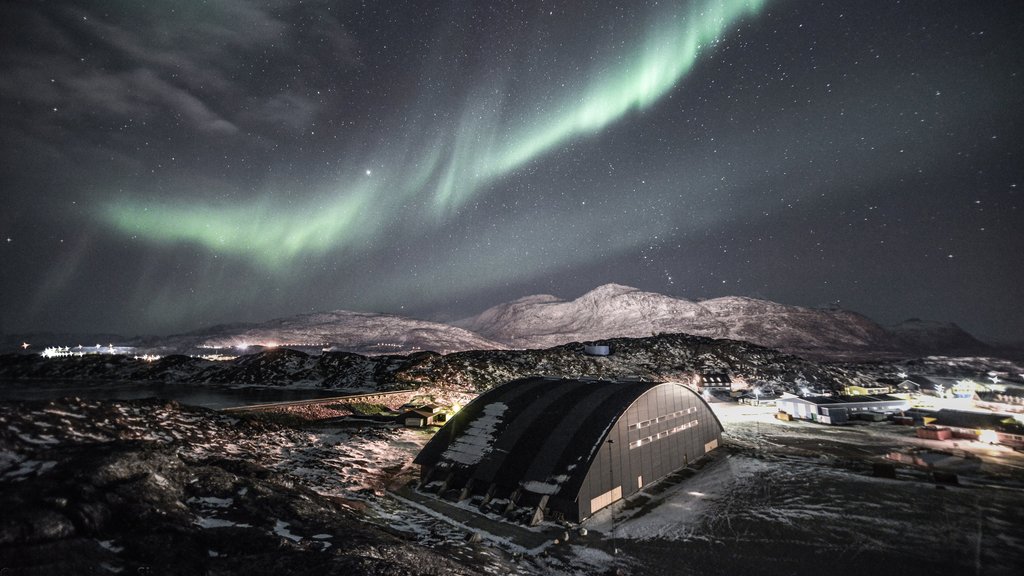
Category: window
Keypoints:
(660, 435)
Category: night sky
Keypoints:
(170, 165)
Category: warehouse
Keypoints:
(563, 449)
(839, 409)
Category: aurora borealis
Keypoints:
(482, 146)
(168, 167)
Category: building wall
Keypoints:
(798, 408)
(644, 450)
(837, 412)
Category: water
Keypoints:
(207, 396)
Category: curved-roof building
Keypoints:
(566, 448)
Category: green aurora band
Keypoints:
(488, 143)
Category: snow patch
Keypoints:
(550, 486)
(281, 529)
(212, 502)
(109, 545)
(476, 441)
(209, 522)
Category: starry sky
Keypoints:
(170, 165)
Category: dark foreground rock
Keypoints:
(84, 499)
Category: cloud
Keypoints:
(223, 68)
(180, 103)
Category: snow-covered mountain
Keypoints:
(544, 321)
(614, 310)
(361, 332)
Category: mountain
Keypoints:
(544, 321)
(614, 310)
(928, 337)
(361, 332)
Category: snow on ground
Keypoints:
(679, 513)
(281, 529)
(782, 511)
(209, 522)
(785, 496)
(777, 494)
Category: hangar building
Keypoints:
(564, 449)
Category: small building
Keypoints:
(944, 386)
(714, 381)
(934, 433)
(597, 349)
(839, 409)
(540, 447)
(865, 390)
(427, 415)
(981, 426)
(907, 386)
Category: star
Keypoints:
(507, 165)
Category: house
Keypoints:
(944, 386)
(839, 409)
(426, 415)
(907, 386)
(597, 350)
(565, 448)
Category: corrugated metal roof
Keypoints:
(547, 434)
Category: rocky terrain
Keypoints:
(156, 488)
(340, 329)
(152, 487)
(663, 357)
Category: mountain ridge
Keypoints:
(616, 310)
(544, 320)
